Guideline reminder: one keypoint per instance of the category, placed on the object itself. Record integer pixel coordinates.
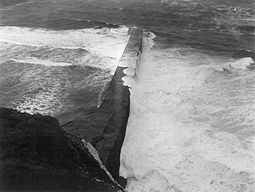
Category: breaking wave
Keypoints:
(97, 47)
(53, 71)
(191, 124)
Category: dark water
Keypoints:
(55, 70)
(210, 25)
(50, 90)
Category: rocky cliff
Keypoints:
(36, 154)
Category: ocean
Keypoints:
(191, 124)
(50, 72)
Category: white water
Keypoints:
(104, 46)
(191, 124)
(241, 63)
(43, 55)
(41, 62)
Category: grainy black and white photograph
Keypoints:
(127, 96)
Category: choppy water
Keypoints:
(50, 72)
(191, 126)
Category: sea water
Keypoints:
(191, 124)
(54, 71)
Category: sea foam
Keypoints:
(105, 41)
(181, 133)
(106, 45)
(56, 66)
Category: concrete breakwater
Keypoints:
(116, 104)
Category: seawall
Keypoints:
(117, 99)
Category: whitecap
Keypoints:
(170, 131)
(107, 42)
(41, 62)
(100, 48)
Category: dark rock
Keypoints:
(243, 54)
(36, 154)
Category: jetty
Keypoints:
(116, 104)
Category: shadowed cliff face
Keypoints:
(36, 154)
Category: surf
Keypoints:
(53, 66)
(105, 43)
(187, 129)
